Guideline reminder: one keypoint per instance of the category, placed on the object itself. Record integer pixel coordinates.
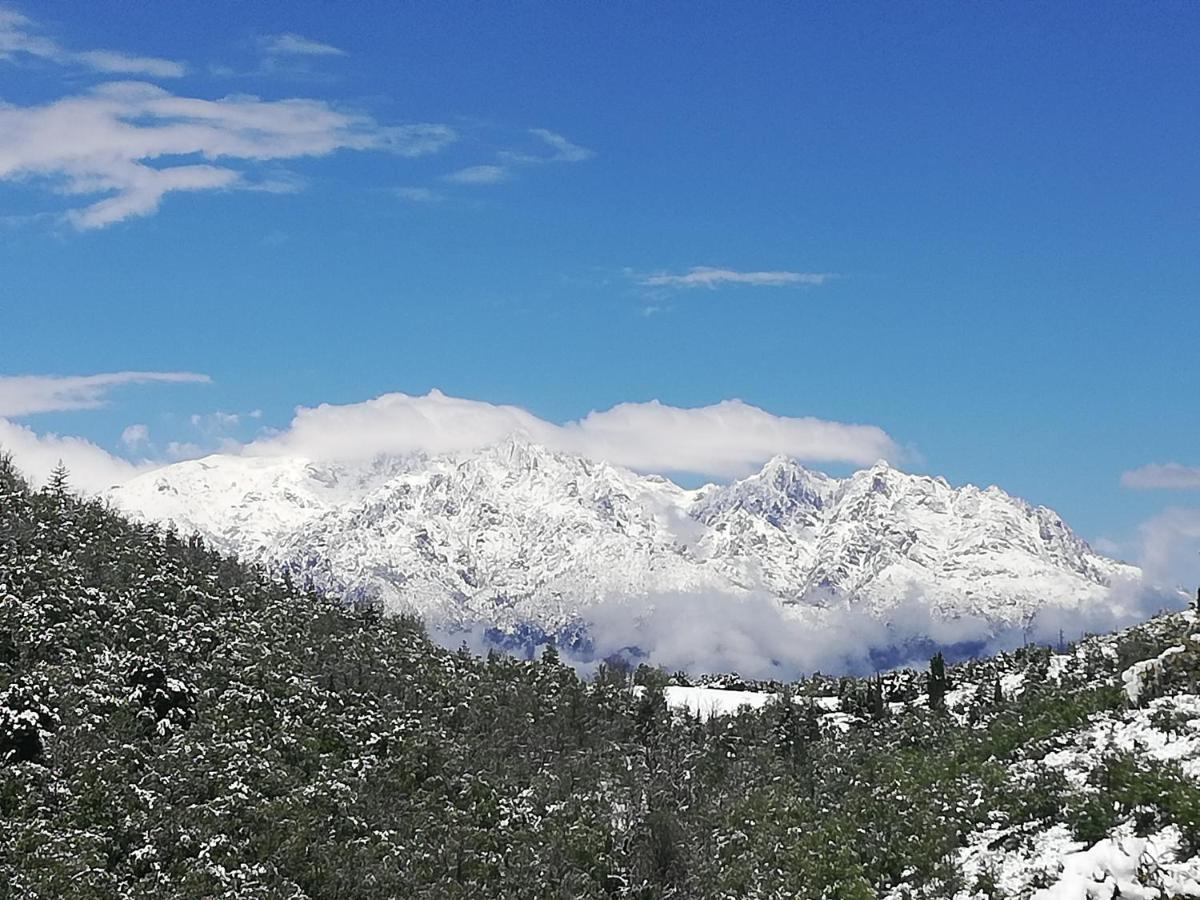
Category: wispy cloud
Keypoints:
(561, 150)
(219, 423)
(479, 175)
(564, 150)
(25, 395)
(19, 37)
(712, 277)
(295, 45)
(418, 194)
(111, 62)
(107, 141)
(1168, 477)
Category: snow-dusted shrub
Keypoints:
(168, 702)
(26, 721)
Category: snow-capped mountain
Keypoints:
(517, 535)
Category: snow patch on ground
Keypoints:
(1136, 676)
(705, 702)
(1134, 731)
(1051, 865)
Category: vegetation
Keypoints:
(176, 724)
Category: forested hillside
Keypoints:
(176, 724)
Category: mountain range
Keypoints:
(516, 536)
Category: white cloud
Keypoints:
(113, 63)
(755, 635)
(24, 395)
(1170, 476)
(91, 468)
(18, 37)
(177, 450)
(479, 175)
(295, 45)
(109, 141)
(418, 194)
(562, 150)
(726, 439)
(135, 436)
(216, 427)
(215, 421)
(711, 277)
(1170, 547)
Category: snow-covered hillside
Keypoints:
(1153, 727)
(516, 535)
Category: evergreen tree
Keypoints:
(57, 485)
(938, 683)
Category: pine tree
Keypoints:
(875, 704)
(58, 486)
(938, 682)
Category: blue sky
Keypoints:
(971, 227)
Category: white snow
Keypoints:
(1136, 676)
(517, 534)
(1114, 867)
(706, 702)
(1122, 865)
(1133, 731)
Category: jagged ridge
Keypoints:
(517, 535)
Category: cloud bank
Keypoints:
(757, 636)
(1168, 477)
(1170, 547)
(729, 438)
(92, 469)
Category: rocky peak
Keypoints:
(516, 534)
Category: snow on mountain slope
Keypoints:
(517, 535)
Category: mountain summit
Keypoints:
(517, 535)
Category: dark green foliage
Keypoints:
(176, 724)
(1154, 794)
(939, 684)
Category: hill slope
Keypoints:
(174, 723)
